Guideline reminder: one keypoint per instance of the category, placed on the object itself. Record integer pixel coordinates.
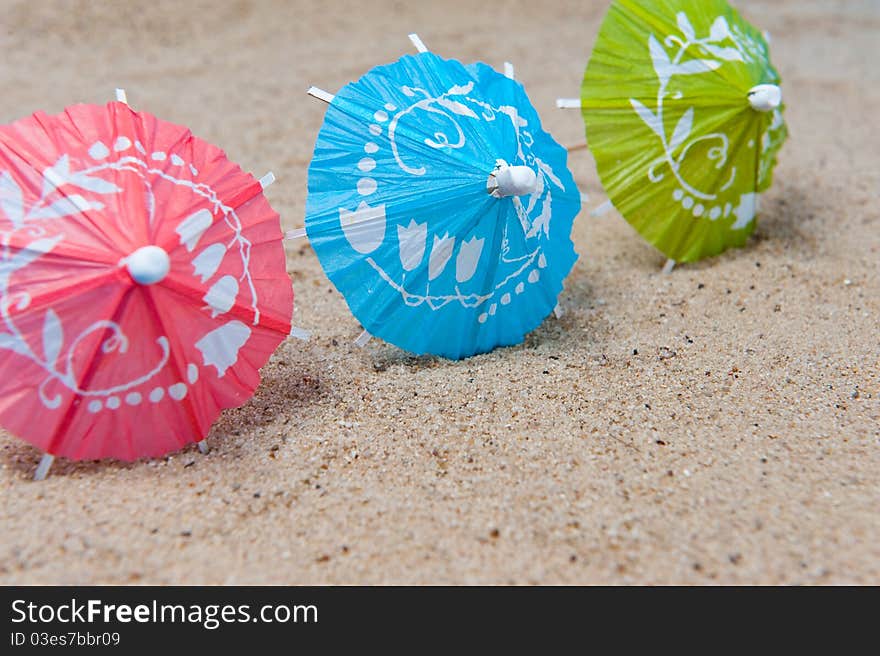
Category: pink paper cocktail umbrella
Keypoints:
(142, 283)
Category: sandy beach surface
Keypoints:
(717, 425)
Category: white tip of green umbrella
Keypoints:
(568, 103)
(602, 209)
(765, 97)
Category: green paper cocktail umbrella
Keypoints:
(683, 114)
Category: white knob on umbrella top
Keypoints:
(512, 181)
(148, 265)
(765, 97)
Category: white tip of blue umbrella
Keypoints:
(299, 233)
(568, 103)
(267, 179)
(320, 94)
(120, 96)
(508, 70)
(512, 181)
(363, 339)
(417, 42)
(558, 311)
(765, 97)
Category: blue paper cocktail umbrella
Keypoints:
(438, 206)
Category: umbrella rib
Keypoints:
(239, 311)
(332, 219)
(62, 426)
(66, 251)
(186, 400)
(362, 100)
(40, 299)
(245, 195)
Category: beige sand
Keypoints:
(751, 455)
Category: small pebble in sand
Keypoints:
(666, 353)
